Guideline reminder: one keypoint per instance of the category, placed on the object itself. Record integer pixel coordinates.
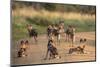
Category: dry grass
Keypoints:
(29, 12)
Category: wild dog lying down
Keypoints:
(77, 49)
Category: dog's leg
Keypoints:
(46, 55)
(19, 54)
(82, 51)
(70, 51)
(58, 39)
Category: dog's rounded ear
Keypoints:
(85, 40)
(81, 40)
(22, 41)
(26, 42)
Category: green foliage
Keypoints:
(19, 29)
(81, 26)
(40, 23)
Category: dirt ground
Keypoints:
(36, 52)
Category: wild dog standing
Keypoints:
(72, 34)
(56, 33)
(61, 29)
(68, 32)
(49, 31)
(32, 32)
(61, 26)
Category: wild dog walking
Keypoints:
(32, 32)
(70, 34)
